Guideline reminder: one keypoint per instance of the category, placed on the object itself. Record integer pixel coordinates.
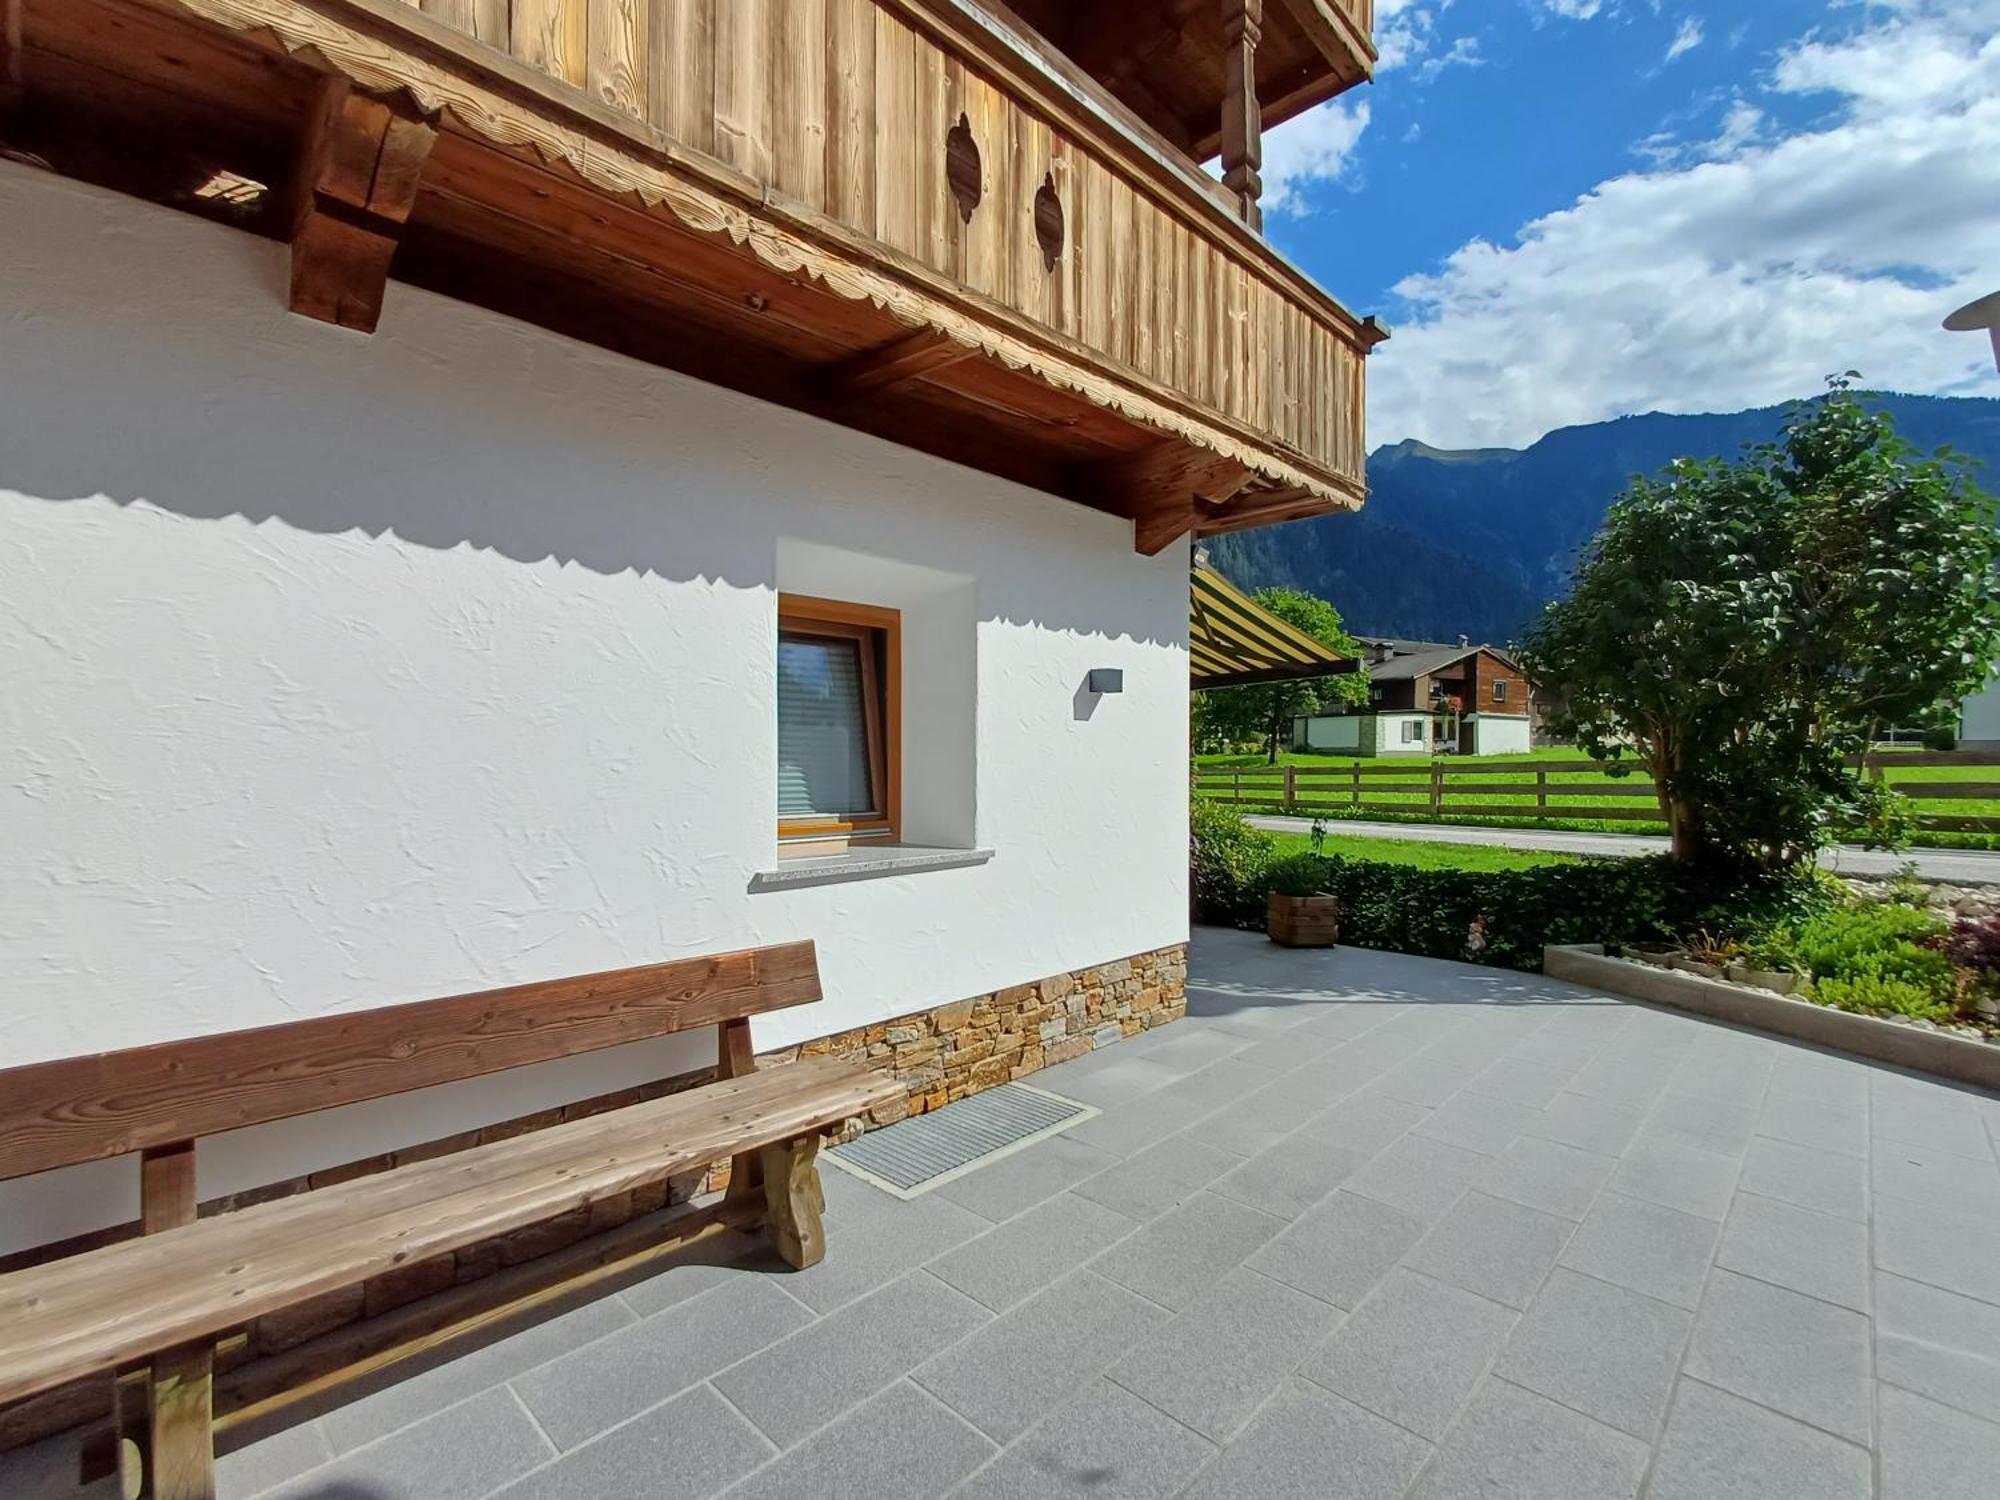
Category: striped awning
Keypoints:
(1232, 640)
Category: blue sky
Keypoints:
(1573, 209)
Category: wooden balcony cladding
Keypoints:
(843, 107)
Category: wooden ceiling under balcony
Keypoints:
(887, 213)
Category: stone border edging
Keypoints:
(1957, 1058)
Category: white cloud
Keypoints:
(1407, 36)
(1317, 146)
(1575, 10)
(1745, 268)
(1686, 39)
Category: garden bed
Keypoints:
(1909, 1044)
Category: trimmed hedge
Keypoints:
(1506, 917)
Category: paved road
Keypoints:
(1958, 866)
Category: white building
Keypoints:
(689, 562)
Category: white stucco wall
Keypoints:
(1389, 735)
(1332, 732)
(1500, 734)
(343, 671)
(1979, 717)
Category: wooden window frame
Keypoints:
(1499, 690)
(881, 705)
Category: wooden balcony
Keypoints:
(917, 217)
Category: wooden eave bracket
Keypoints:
(1161, 488)
(358, 177)
(910, 358)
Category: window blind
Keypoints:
(822, 729)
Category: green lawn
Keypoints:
(1422, 855)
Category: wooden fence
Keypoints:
(1440, 789)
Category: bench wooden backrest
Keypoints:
(80, 1109)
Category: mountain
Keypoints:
(1474, 541)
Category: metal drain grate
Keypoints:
(915, 1155)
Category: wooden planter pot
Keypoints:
(1302, 921)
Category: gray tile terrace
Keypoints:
(1361, 1225)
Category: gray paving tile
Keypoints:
(1132, 1128)
(1367, 1122)
(1476, 1122)
(49, 1467)
(1938, 1344)
(1178, 1256)
(1307, 1442)
(1028, 1361)
(248, 1471)
(581, 1394)
(1918, 1113)
(1951, 1250)
(1290, 1177)
(1720, 1447)
(1146, 1185)
(1599, 1349)
(1021, 1257)
(1646, 1247)
(900, 1446)
(1531, 1083)
(1588, 1122)
(716, 1262)
(1499, 1249)
(1781, 1349)
(1219, 1084)
(1719, 1126)
(1838, 1081)
(1422, 1177)
(459, 1453)
(410, 1399)
(1106, 1445)
(1930, 1452)
(1413, 1352)
(1807, 1122)
(1014, 1184)
(1548, 1175)
(803, 1382)
(1340, 1249)
(687, 1449)
(1809, 1252)
(1515, 1445)
(1824, 1181)
(1215, 1364)
(1926, 1174)
(1673, 1173)
(1266, 1117)
(872, 1238)
(1190, 1048)
(1426, 1079)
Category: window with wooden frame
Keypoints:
(840, 671)
(1499, 690)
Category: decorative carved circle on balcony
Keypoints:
(961, 168)
(1049, 221)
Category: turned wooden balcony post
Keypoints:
(1242, 118)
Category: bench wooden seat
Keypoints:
(159, 1302)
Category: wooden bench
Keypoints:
(146, 1312)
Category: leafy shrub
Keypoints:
(1876, 993)
(1885, 941)
(1230, 866)
(1300, 875)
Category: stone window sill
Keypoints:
(863, 863)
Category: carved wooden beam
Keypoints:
(895, 364)
(1242, 118)
(357, 184)
(1161, 487)
(1332, 33)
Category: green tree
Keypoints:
(1264, 711)
(1745, 630)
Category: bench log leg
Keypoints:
(737, 1059)
(183, 1456)
(794, 1201)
